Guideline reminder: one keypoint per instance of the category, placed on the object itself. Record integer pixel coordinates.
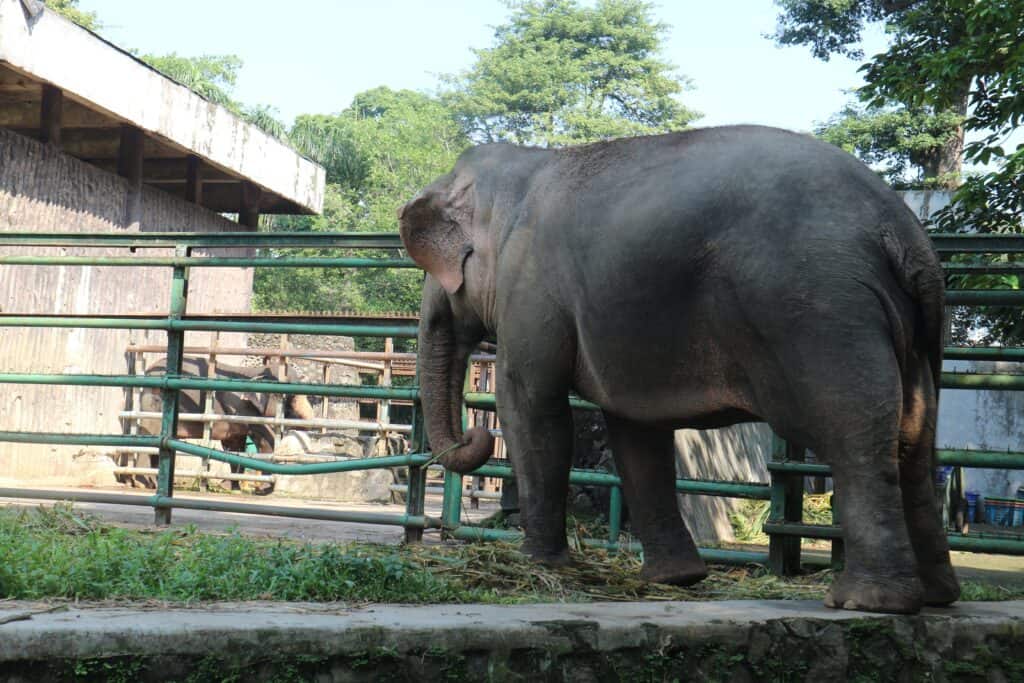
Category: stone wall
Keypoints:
(43, 190)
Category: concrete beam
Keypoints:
(22, 111)
(114, 82)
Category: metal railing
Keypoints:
(784, 491)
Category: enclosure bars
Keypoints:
(175, 356)
(177, 322)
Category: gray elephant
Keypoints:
(232, 435)
(693, 280)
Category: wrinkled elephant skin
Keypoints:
(693, 280)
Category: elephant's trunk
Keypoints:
(442, 371)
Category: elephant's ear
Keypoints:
(434, 234)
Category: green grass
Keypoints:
(59, 552)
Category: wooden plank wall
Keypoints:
(44, 190)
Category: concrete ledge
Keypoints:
(728, 641)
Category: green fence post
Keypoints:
(169, 418)
(614, 515)
(786, 505)
(838, 545)
(416, 493)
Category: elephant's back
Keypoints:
(721, 242)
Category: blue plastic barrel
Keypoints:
(972, 505)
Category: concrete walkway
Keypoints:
(729, 640)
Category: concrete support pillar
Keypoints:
(193, 180)
(249, 211)
(129, 166)
(51, 115)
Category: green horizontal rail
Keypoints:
(983, 268)
(797, 467)
(961, 457)
(983, 543)
(979, 458)
(485, 401)
(395, 519)
(187, 324)
(313, 468)
(147, 240)
(984, 297)
(1008, 353)
(162, 382)
(969, 380)
(951, 243)
(944, 242)
(208, 262)
(726, 489)
(825, 531)
(113, 440)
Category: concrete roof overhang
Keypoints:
(104, 89)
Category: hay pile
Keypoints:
(595, 575)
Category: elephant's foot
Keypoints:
(674, 571)
(898, 595)
(941, 587)
(547, 555)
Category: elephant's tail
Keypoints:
(917, 269)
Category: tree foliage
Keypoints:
(378, 153)
(961, 55)
(905, 146)
(210, 76)
(964, 56)
(69, 10)
(563, 73)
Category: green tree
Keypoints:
(835, 27)
(905, 146)
(964, 56)
(378, 153)
(949, 56)
(69, 10)
(211, 76)
(563, 73)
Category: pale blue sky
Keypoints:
(313, 56)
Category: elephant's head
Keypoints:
(444, 233)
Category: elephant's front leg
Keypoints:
(536, 422)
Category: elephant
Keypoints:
(232, 435)
(696, 279)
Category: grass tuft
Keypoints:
(57, 552)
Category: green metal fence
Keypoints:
(787, 469)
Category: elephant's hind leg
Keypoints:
(917, 464)
(645, 459)
(880, 573)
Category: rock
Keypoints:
(362, 486)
